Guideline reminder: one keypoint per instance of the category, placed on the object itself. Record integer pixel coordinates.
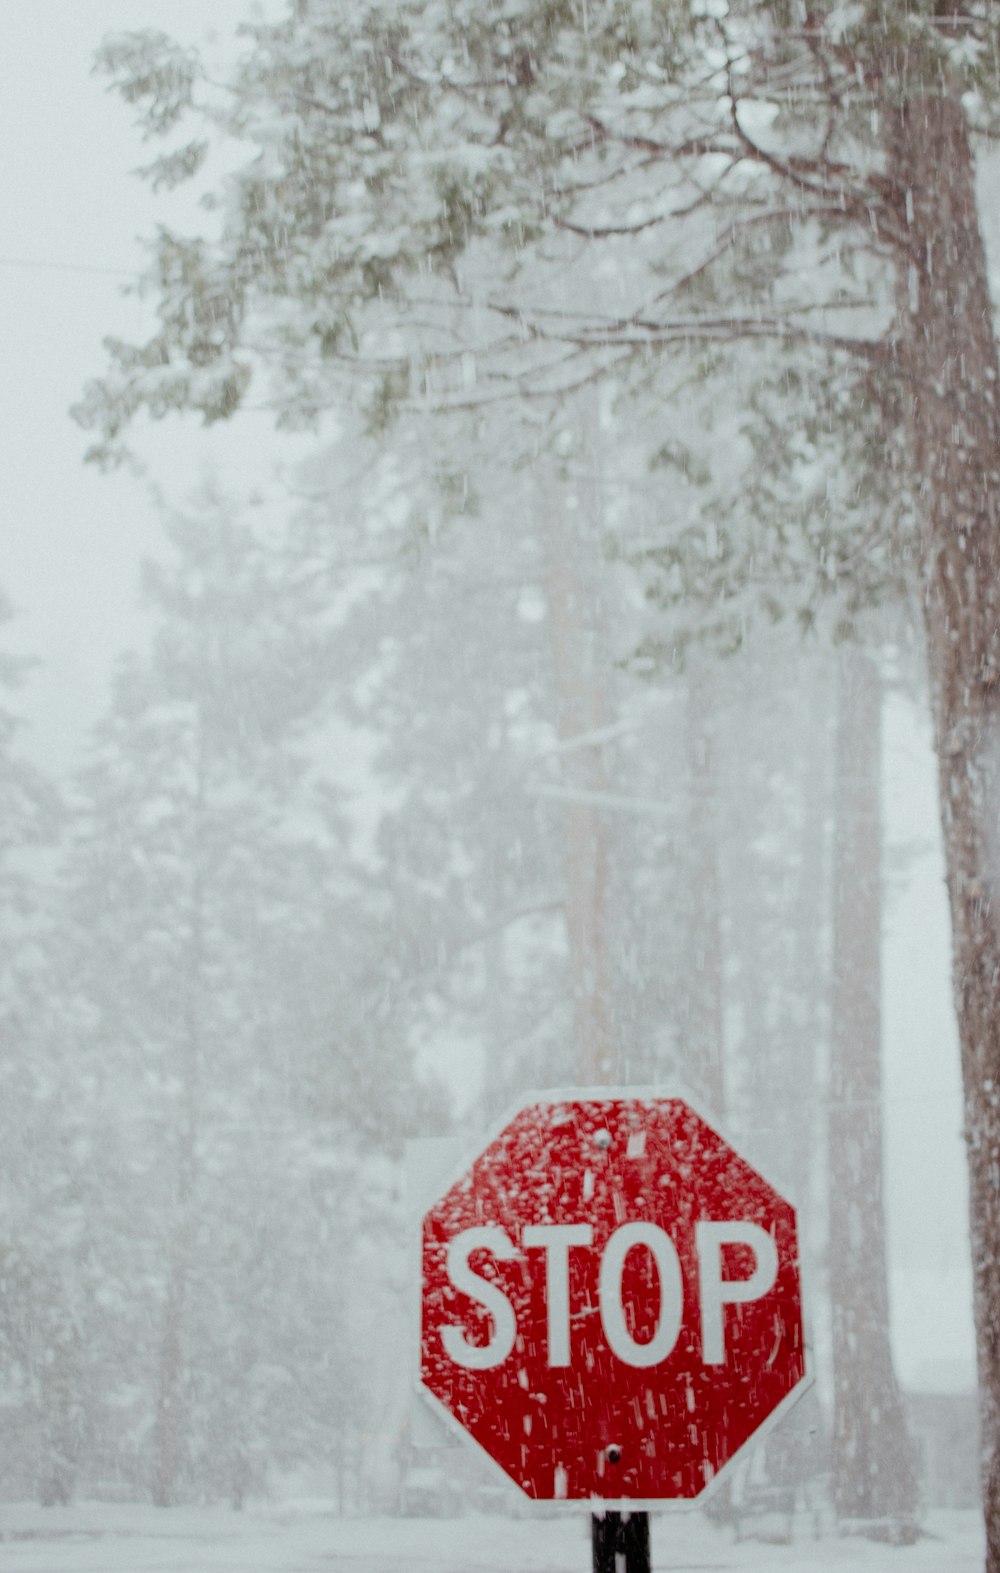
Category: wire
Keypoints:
(42, 264)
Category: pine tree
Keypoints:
(210, 934)
(39, 1344)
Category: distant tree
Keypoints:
(38, 1337)
(702, 986)
(211, 933)
(569, 524)
(874, 1460)
(445, 651)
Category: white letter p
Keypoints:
(717, 1291)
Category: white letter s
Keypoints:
(480, 1357)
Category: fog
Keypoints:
(383, 753)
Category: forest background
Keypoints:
(323, 717)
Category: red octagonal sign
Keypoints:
(611, 1303)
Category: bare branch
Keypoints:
(606, 231)
(628, 139)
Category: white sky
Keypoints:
(68, 245)
(72, 539)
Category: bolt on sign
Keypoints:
(611, 1303)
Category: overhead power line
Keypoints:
(45, 265)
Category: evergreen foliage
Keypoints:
(208, 1181)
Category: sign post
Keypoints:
(611, 1307)
(620, 1542)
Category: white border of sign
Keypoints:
(546, 1505)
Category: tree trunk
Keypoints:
(581, 699)
(803, 1023)
(701, 996)
(169, 1396)
(874, 1479)
(619, 1541)
(948, 360)
(170, 1417)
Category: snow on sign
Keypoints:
(610, 1300)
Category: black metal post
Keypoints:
(620, 1542)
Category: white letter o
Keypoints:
(668, 1268)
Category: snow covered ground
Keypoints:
(307, 1538)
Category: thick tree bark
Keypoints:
(874, 1479)
(948, 360)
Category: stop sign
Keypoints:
(610, 1300)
